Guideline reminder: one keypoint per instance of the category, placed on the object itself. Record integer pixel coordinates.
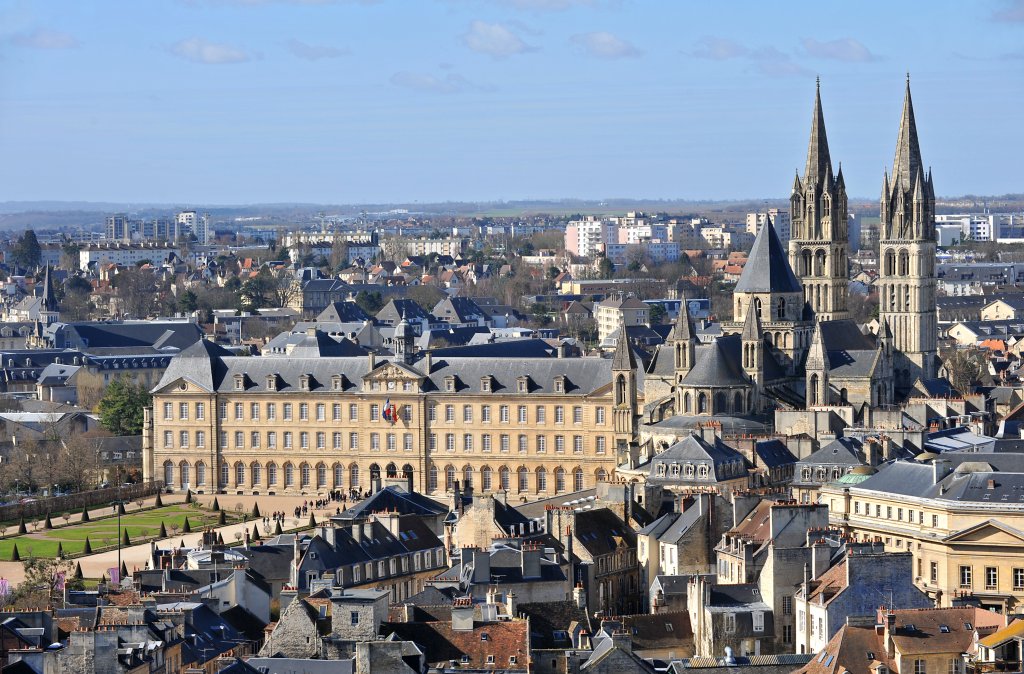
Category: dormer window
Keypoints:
(523, 384)
(449, 384)
(271, 382)
(661, 470)
(304, 382)
(239, 382)
(559, 384)
(337, 382)
(486, 383)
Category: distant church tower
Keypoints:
(819, 241)
(907, 257)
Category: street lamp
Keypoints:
(118, 505)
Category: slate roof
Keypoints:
(155, 334)
(600, 532)
(399, 308)
(342, 312)
(838, 452)
(394, 499)
(767, 269)
(718, 364)
(968, 481)
(695, 449)
(773, 453)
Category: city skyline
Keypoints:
(244, 101)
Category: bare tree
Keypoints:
(136, 291)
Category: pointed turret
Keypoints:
(683, 329)
(907, 162)
(817, 357)
(752, 325)
(797, 186)
(624, 359)
(818, 161)
(817, 367)
(49, 301)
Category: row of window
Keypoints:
(890, 510)
(257, 411)
(255, 440)
(991, 577)
(504, 478)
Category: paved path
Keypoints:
(136, 556)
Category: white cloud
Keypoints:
(718, 49)
(1012, 12)
(198, 50)
(843, 49)
(494, 39)
(314, 52)
(42, 38)
(451, 83)
(604, 45)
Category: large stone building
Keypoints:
(527, 427)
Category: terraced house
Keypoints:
(308, 422)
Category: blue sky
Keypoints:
(353, 101)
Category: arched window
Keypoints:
(467, 477)
(843, 396)
(485, 478)
(255, 472)
(686, 402)
(168, 473)
(225, 474)
(542, 479)
(504, 478)
(806, 259)
(719, 403)
(289, 475)
(812, 390)
(339, 475)
(185, 474)
(321, 475)
(353, 476)
(601, 475)
(687, 469)
(391, 470)
(271, 474)
(407, 471)
(620, 390)
(757, 307)
(702, 403)
(577, 479)
(737, 402)
(904, 267)
(304, 474)
(449, 478)
(559, 480)
(702, 471)
(524, 479)
(780, 311)
(432, 478)
(200, 473)
(819, 263)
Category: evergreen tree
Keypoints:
(87, 550)
(121, 408)
(27, 252)
(15, 557)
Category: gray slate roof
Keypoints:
(718, 364)
(767, 269)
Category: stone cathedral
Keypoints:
(791, 343)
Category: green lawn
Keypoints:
(103, 533)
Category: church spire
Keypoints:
(819, 164)
(624, 359)
(752, 325)
(907, 162)
(683, 330)
(49, 301)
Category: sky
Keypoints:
(208, 102)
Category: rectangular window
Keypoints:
(856, 507)
(336, 411)
(432, 413)
(449, 442)
(239, 439)
(467, 414)
(287, 411)
(353, 440)
(935, 520)
(503, 414)
(577, 444)
(374, 441)
(254, 439)
(223, 439)
(560, 444)
(287, 439)
(758, 618)
(787, 634)
(730, 622)
(432, 443)
(271, 411)
(965, 576)
(467, 443)
(522, 444)
(991, 578)
(223, 411)
(787, 604)
(600, 444)
(522, 414)
(183, 410)
(542, 444)
(321, 412)
(407, 442)
(353, 412)
(599, 415)
(168, 411)
(168, 439)
(200, 411)
(272, 440)
(485, 443)
(239, 411)
(254, 411)
(934, 572)
(303, 412)
(559, 414)
(920, 667)
(374, 412)
(304, 440)
(321, 440)
(392, 442)
(1018, 578)
(200, 438)
(407, 412)
(449, 413)
(542, 416)
(485, 414)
